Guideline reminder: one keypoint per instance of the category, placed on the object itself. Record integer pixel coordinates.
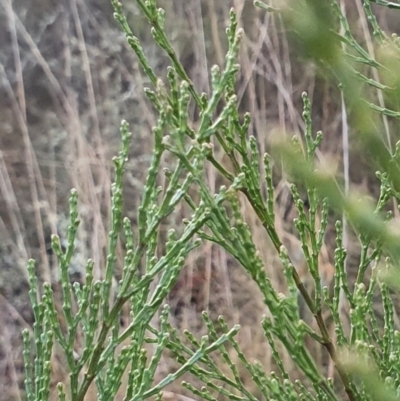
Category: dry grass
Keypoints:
(66, 82)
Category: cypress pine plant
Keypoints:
(365, 357)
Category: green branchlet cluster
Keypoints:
(92, 311)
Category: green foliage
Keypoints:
(93, 310)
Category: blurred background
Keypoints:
(67, 79)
